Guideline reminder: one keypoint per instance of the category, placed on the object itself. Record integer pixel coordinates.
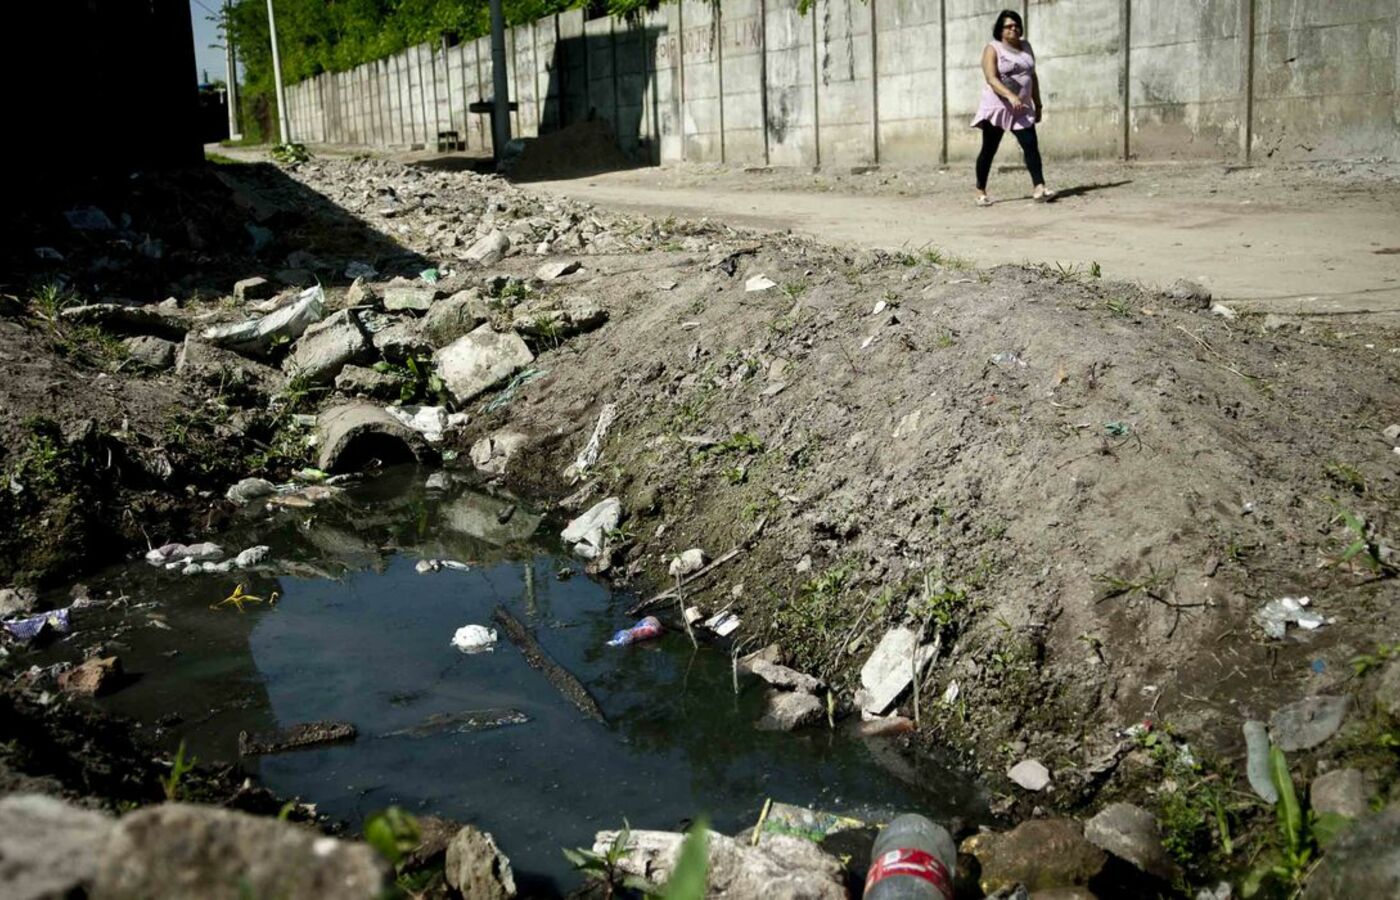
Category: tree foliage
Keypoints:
(316, 36)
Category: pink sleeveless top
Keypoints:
(1016, 68)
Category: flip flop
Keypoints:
(984, 200)
(1045, 196)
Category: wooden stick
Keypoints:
(563, 680)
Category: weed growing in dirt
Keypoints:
(1365, 662)
(1346, 476)
(1118, 307)
(945, 339)
(419, 380)
(179, 768)
(1196, 821)
(89, 342)
(813, 617)
(936, 256)
(1360, 547)
(1302, 834)
(795, 289)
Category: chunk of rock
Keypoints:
(1307, 723)
(1364, 861)
(1341, 791)
(1030, 774)
(556, 269)
(402, 340)
(150, 352)
(361, 381)
(1189, 294)
(780, 676)
(14, 601)
(1042, 854)
(587, 533)
(93, 677)
(692, 560)
(179, 850)
(477, 868)
(575, 315)
(352, 434)
(216, 367)
(1129, 832)
(248, 490)
(402, 295)
(327, 347)
(455, 316)
(782, 867)
(890, 669)
(489, 250)
(296, 737)
(790, 710)
(1388, 689)
(493, 454)
(255, 288)
(49, 848)
(480, 360)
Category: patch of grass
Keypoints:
(795, 289)
(1346, 476)
(1361, 546)
(1118, 307)
(813, 617)
(179, 768)
(1114, 586)
(945, 339)
(736, 474)
(936, 256)
(219, 159)
(89, 342)
(1365, 662)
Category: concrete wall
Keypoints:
(897, 81)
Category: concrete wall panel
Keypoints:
(909, 62)
(791, 77)
(702, 115)
(741, 35)
(1079, 59)
(845, 94)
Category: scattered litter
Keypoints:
(48, 253)
(1275, 615)
(1220, 309)
(474, 639)
(950, 696)
(429, 275)
(508, 392)
(1318, 666)
(693, 615)
(667, 285)
(880, 306)
(172, 555)
(759, 283)
(437, 565)
(595, 443)
(360, 270)
(286, 324)
(1008, 359)
(1030, 774)
(644, 630)
(429, 421)
(1117, 429)
(588, 533)
(31, 627)
(888, 671)
(723, 624)
(240, 597)
(252, 556)
(1256, 739)
(304, 497)
(692, 560)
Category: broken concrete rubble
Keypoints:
(450, 318)
(327, 347)
(890, 669)
(402, 295)
(150, 352)
(480, 360)
(782, 867)
(493, 453)
(255, 288)
(350, 435)
(490, 249)
(790, 710)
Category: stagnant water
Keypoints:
(359, 635)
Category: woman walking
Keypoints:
(1010, 102)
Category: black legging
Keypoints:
(991, 140)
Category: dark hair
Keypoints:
(1002, 17)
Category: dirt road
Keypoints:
(1317, 240)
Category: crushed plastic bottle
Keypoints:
(913, 859)
(645, 629)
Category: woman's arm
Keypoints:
(989, 72)
(1035, 96)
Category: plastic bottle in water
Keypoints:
(913, 859)
(646, 628)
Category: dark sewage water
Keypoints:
(358, 634)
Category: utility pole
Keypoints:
(231, 69)
(283, 129)
(500, 114)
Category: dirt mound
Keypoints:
(584, 148)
